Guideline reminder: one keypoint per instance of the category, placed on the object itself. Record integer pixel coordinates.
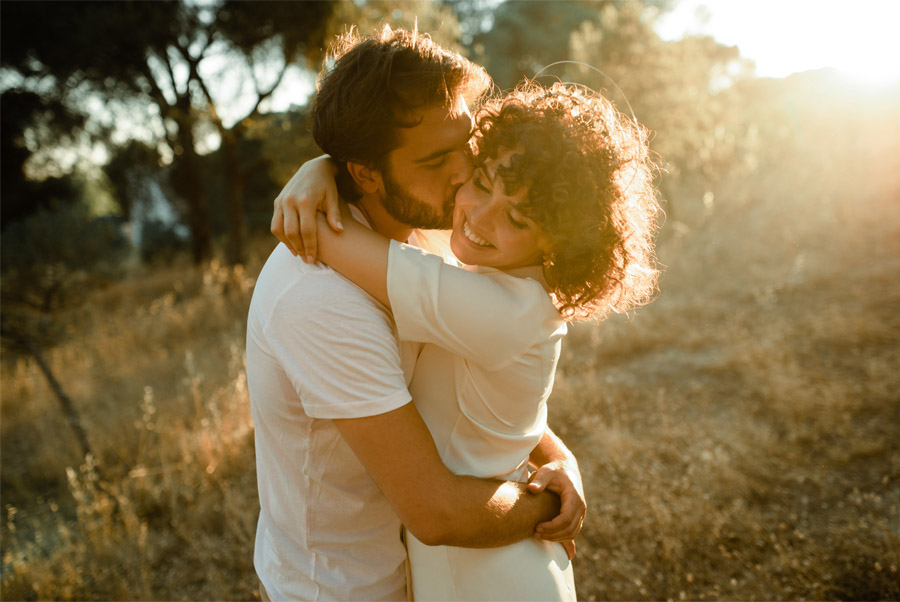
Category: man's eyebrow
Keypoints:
(434, 155)
(443, 151)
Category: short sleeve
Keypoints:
(487, 318)
(338, 347)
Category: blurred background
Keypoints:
(738, 437)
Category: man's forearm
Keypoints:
(484, 513)
(437, 506)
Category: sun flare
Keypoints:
(787, 36)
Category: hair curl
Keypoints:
(589, 181)
(370, 87)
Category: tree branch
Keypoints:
(156, 92)
(213, 113)
(171, 72)
(165, 109)
(261, 96)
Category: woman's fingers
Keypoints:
(333, 211)
(566, 525)
(277, 226)
(568, 522)
(306, 215)
(310, 189)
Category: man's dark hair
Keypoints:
(370, 88)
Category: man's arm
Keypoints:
(438, 507)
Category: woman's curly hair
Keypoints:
(589, 178)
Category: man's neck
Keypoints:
(380, 220)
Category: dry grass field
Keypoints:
(738, 437)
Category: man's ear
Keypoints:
(366, 178)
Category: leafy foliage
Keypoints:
(527, 36)
(682, 90)
(437, 19)
(46, 121)
(50, 260)
(157, 51)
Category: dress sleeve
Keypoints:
(486, 318)
(338, 348)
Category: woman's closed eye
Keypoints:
(480, 181)
(516, 219)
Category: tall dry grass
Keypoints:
(741, 433)
(156, 366)
(737, 437)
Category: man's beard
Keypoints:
(409, 210)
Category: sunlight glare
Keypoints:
(786, 36)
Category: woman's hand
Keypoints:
(310, 190)
(567, 484)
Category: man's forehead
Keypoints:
(438, 128)
(459, 107)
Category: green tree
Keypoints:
(255, 38)
(23, 114)
(437, 19)
(684, 91)
(158, 52)
(524, 37)
(121, 49)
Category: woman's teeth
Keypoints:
(474, 237)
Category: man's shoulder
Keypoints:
(286, 283)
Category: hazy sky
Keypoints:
(859, 37)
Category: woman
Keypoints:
(557, 224)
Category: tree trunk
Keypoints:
(68, 408)
(234, 194)
(188, 184)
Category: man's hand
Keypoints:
(566, 481)
(310, 190)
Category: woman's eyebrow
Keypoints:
(490, 176)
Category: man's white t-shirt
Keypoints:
(320, 348)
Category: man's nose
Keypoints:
(462, 168)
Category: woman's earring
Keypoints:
(549, 259)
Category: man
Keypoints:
(342, 455)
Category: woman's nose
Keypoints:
(480, 211)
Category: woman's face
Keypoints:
(487, 228)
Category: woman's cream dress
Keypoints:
(491, 341)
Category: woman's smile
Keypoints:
(472, 236)
(488, 230)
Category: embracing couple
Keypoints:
(398, 373)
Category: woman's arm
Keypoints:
(487, 319)
(310, 190)
(358, 253)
